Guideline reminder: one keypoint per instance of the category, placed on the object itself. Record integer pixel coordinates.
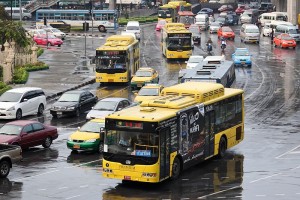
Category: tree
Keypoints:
(12, 31)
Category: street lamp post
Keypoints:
(20, 6)
(11, 6)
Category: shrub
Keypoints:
(4, 88)
(21, 72)
(40, 51)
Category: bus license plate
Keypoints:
(110, 80)
(76, 146)
(127, 177)
(59, 113)
(243, 63)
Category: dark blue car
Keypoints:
(206, 11)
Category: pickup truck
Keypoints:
(9, 154)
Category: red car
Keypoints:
(284, 41)
(225, 8)
(27, 133)
(226, 32)
(240, 9)
(47, 40)
(160, 24)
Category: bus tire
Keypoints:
(222, 147)
(101, 29)
(176, 169)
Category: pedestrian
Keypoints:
(131, 5)
(272, 35)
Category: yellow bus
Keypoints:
(156, 140)
(176, 41)
(167, 12)
(118, 59)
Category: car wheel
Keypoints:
(47, 143)
(25, 18)
(19, 114)
(59, 45)
(40, 109)
(4, 168)
(48, 44)
(54, 115)
(176, 168)
(222, 147)
(294, 47)
(101, 147)
(77, 112)
(101, 29)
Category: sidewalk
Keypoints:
(65, 73)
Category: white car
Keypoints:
(19, 102)
(214, 27)
(193, 61)
(56, 32)
(107, 106)
(36, 32)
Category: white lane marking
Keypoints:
(42, 189)
(84, 186)
(295, 168)
(280, 194)
(265, 178)
(82, 164)
(19, 179)
(63, 188)
(233, 188)
(278, 157)
(72, 197)
(260, 195)
(261, 83)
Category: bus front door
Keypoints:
(209, 133)
(164, 153)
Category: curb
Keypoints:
(83, 34)
(72, 88)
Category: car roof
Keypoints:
(22, 122)
(24, 89)
(145, 69)
(116, 99)
(75, 92)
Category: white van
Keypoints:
(267, 29)
(249, 33)
(293, 31)
(134, 27)
(268, 17)
(16, 13)
(202, 21)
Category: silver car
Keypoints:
(214, 27)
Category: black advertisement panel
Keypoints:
(191, 134)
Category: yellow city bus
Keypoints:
(167, 12)
(176, 41)
(156, 140)
(118, 59)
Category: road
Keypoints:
(265, 165)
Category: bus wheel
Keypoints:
(176, 168)
(101, 29)
(222, 147)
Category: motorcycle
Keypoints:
(223, 46)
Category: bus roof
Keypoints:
(174, 99)
(175, 28)
(167, 6)
(207, 72)
(118, 42)
(186, 13)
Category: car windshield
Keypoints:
(286, 37)
(242, 53)
(51, 37)
(55, 30)
(135, 28)
(148, 92)
(69, 97)
(10, 129)
(246, 15)
(293, 31)
(220, 19)
(106, 105)
(138, 143)
(93, 127)
(10, 97)
(250, 30)
(143, 74)
(226, 29)
(215, 24)
(186, 19)
(194, 29)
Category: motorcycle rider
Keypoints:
(223, 43)
(209, 44)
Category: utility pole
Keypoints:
(21, 13)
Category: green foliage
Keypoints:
(40, 51)
(22, 72)
(4, 88)
(3, 14)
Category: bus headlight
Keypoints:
(150, 175)
(107, 170)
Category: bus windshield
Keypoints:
(164, 13)
(179, 43)
(187, 19)
(132, 143)
(111, 62)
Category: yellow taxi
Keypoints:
(143, 76)
(88, 137)
(148, 92)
